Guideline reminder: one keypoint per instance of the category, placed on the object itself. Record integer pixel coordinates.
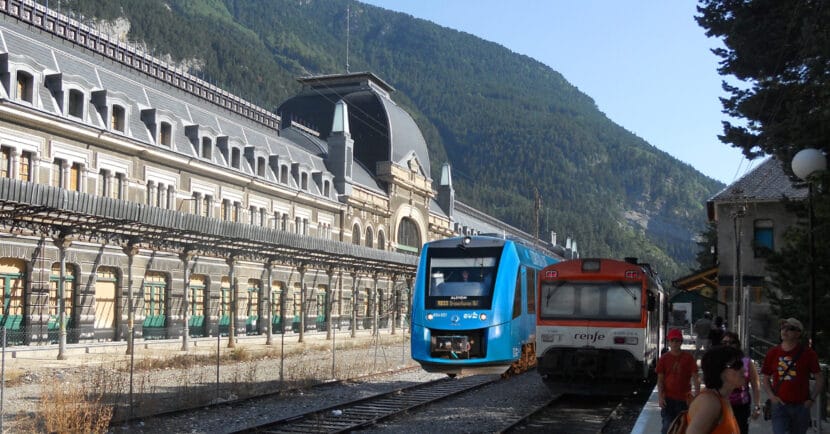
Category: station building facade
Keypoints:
(136, 198)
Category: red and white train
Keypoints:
(599, 325)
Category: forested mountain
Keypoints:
(506, 122)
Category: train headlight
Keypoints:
(429, 317)
(483, 317)
(625, 340)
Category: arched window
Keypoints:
(356, 234)
(409, 238)
(369, 237)
(381, 240)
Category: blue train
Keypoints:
(474, 305)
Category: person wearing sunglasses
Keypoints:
(676, 371)
(787, 368)
(723, 372)
(743, 397)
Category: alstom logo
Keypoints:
(590, 338)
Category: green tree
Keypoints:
(777, 54)
(779, 51)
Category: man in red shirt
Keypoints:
(786, 370)
(676, 371)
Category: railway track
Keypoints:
(567, 413)
(368, 411)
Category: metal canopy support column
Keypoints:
(302, 269)
(354, 304)
(130, 250)
(186, 256)
(232, 314)
(269, 302)
(62, 242)
(329, 301)
(396, 302)
(374, 301)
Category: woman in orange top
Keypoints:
(710, 412)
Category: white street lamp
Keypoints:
(807, 163)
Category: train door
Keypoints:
(12, 283)
(68, 306)
(155, 306)
(529, 322)
(106, 282)
(252, 307)
(196, 324)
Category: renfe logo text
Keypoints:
(592, 338)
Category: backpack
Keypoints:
(680, 424)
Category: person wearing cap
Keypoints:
(676, 371)
(786, 369)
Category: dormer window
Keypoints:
(207, 148)
(76, 103)
(304, 181)
(260, 166)
(284, 174)
(326, 188)
(165, 134)
(25, 87)
(118, 119)
(235, 155)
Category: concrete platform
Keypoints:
(650, 422)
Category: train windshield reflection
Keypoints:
(465, 282)
(604, 301)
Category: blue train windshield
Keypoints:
(602, 301)
(461, 279)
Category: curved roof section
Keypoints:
(405, 136)
(382, 131)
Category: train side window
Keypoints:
(652, 302)
(517, 297)
(531, 290)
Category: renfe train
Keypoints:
(600, 325)
(474, 305)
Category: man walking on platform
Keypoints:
(676, 371)
(787, 368)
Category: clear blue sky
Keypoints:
(646, 63)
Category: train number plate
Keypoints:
(454, 344)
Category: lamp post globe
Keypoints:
(807, 162)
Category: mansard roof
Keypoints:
(149, 98)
